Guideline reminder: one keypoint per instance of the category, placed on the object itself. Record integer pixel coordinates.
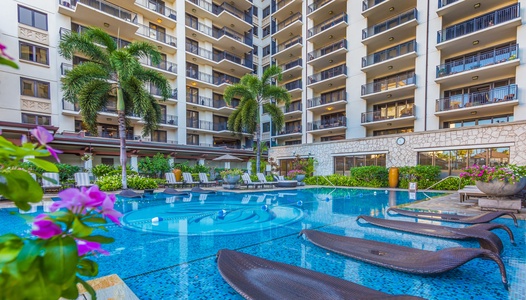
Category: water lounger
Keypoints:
(171, 191)
(257, 278)
(481, 232)
(401, 258)
(130, 194)
(482, 218)
(201, 191)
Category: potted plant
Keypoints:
(499, 181)
(231, 176)
(298, 175)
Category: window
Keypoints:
(255, 69)
(393, 131)
(295, 142)
(254, 11)
(192, 70)
(107, 161)
(256, 50)
(255, 30)
(159, 136)
(266, 127)
(266, 50)
(192, 139)
(192, 119)
(480, 121)
(33, 53)
(34, 88)
(343, 164)
(266, 31)
(32, 18)
(36, 119)
(266, 11)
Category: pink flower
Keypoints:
(108, 211)
(79, 200)
(85, 247)
(45, 228)
(44, 137)
(2, 50)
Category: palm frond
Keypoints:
(276, 115)
(142, 103)
(144, 49)
(239, 90)
(92, 98)
(280, 94)
(124, 64)
(81, 75)
(72, 42)
(99, 36)
(156, 79)
(271, 72)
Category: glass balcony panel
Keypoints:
(159, 8)
(388, 84)
(327, 49)
(442, 3)
(328, 98)
(324, 124)
(295, 17)
(391, 23)
(496, 95)
(293, 85)
(389, 53)
(366, 4)
(326, 74)
(328, 24)
(105, 7)
(289, 43)
(390, 113)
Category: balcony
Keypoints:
(203, 102)
(217, 82)
(224, 60)
(155, 11)
(289, 130)
(64, 68)
(98, 12)
(157, 93)
(399, 28)
(337, 25)
(288, 49)
(376, 10)
(294, 87)
(293, 108)
(222, 15)
(291, 25)
(333, 101)
(167, 42)
(483, 66)
(442, 3)
(483, 29)
(320, 9)
(327, 124)
(397, 118)
(292, 69)
(283, 8)
(335, 52)
(458, 10)
(109, 110)
(395, 58)
(494, 101)
(393, 87)
(220, 127)
(169, 120)
(167, 68)
(199, 124)
(69, 108)
(337, 76)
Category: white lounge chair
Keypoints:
(249, 182)
(285, 183)
(187, 177)
(264, 180)
(203, 178)
(51, 185)
(170, 179)
(82, 180)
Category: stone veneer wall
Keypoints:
(511, 135)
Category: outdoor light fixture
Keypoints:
(474, 112)
(331, 12)
(389, 124)
(476, 5)
(476, 42)
(106, 25)
(232, 48)
(474, 78)
(330, 108)
(232, 25)
(391, 8)
(391, 39)
(331, 61)
(330, 36)
(194, 83)
(330, 84)
(193, 10)
(232, 70)
(194, 59)
(159, 21)
(389, 95)
(390, 67)
(194, 35)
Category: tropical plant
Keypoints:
(111, 70)
(293, 173)
(231, 172)
(102, 170)
(509, 173)
(256, 94)
(157, 165)
(424, 175)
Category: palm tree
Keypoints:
(257, 93)
(111, 70)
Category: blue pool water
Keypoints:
(170, 259)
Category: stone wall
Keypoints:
(511, 135)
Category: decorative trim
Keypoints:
(35, 106)
(32, 34)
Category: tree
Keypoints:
(111, 70)
(257, 93)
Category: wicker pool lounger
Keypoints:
(482, 218)
(257, 278)
(481, 232)
(401, 258)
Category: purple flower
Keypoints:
(108, 211)
(45, 228)
(79, 200)
(44, 137)
(2, 50)
(85, 247)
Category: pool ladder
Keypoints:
(451, 176)
(325, 179)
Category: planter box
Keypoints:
(500, 204)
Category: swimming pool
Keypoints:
(169, 260)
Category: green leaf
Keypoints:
(10, 237)
(97, 220)
(7, 62)
(87, 267)
(60, 259)
(70, 289)
(99, 239)
(9, 251)
(30, 251)
(80, 229)
(20, 187)
(44, 164)
(88, 288)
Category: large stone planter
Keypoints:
(497, 188)
(232, 179)
(300, 177)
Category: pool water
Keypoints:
(174, 258)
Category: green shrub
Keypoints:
(114, 182)
(66, 171)
(370, 176)
(109, 183)
(141, 183)
(424, 176)
(262, 166)
(102, 170)
(451, 184)
(157, 165)
(118, 171)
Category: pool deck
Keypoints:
(449, 203)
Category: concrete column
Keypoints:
(134, 163)
(88, 164)
(201, 162)
(249, 167)
(171, 161)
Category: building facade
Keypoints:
(441, 78)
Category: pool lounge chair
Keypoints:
(249, 182)
(470, 191)
(82, 180)
(130, 194)
(481, 232)
(50, 185)
(203, 178)
(264, 181)
(401, 258)
(281, 182)
(187, 177)
(171, 191)
(202, 191)
(257, 278)
(170, 179)
(482, 218)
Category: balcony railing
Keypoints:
(217, 57)
(324, 124)
(317, 4)
(379, 115)
(294, 106)
(220, 126)
(105, 7)
(80, 29)
(289, 129)
(289, 43)
(326, 99)
(157, 35)
(217, 33)
(157, 92)
(163, 65)
(169, 119)
(295, 17)
(389, 53)
(218, 9)
(391, 23)
(200, 100)
(66, 105)
(328, 24)
(158, 8)
(478, 60)
(327, 74)
(442, 3)
(366, 4)
(111, 135)
(291, 64)
(199, 124)
(485, 21)
(65, 67)
(327, 49)
(388, 84)
(293, 85)
(496, 95)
